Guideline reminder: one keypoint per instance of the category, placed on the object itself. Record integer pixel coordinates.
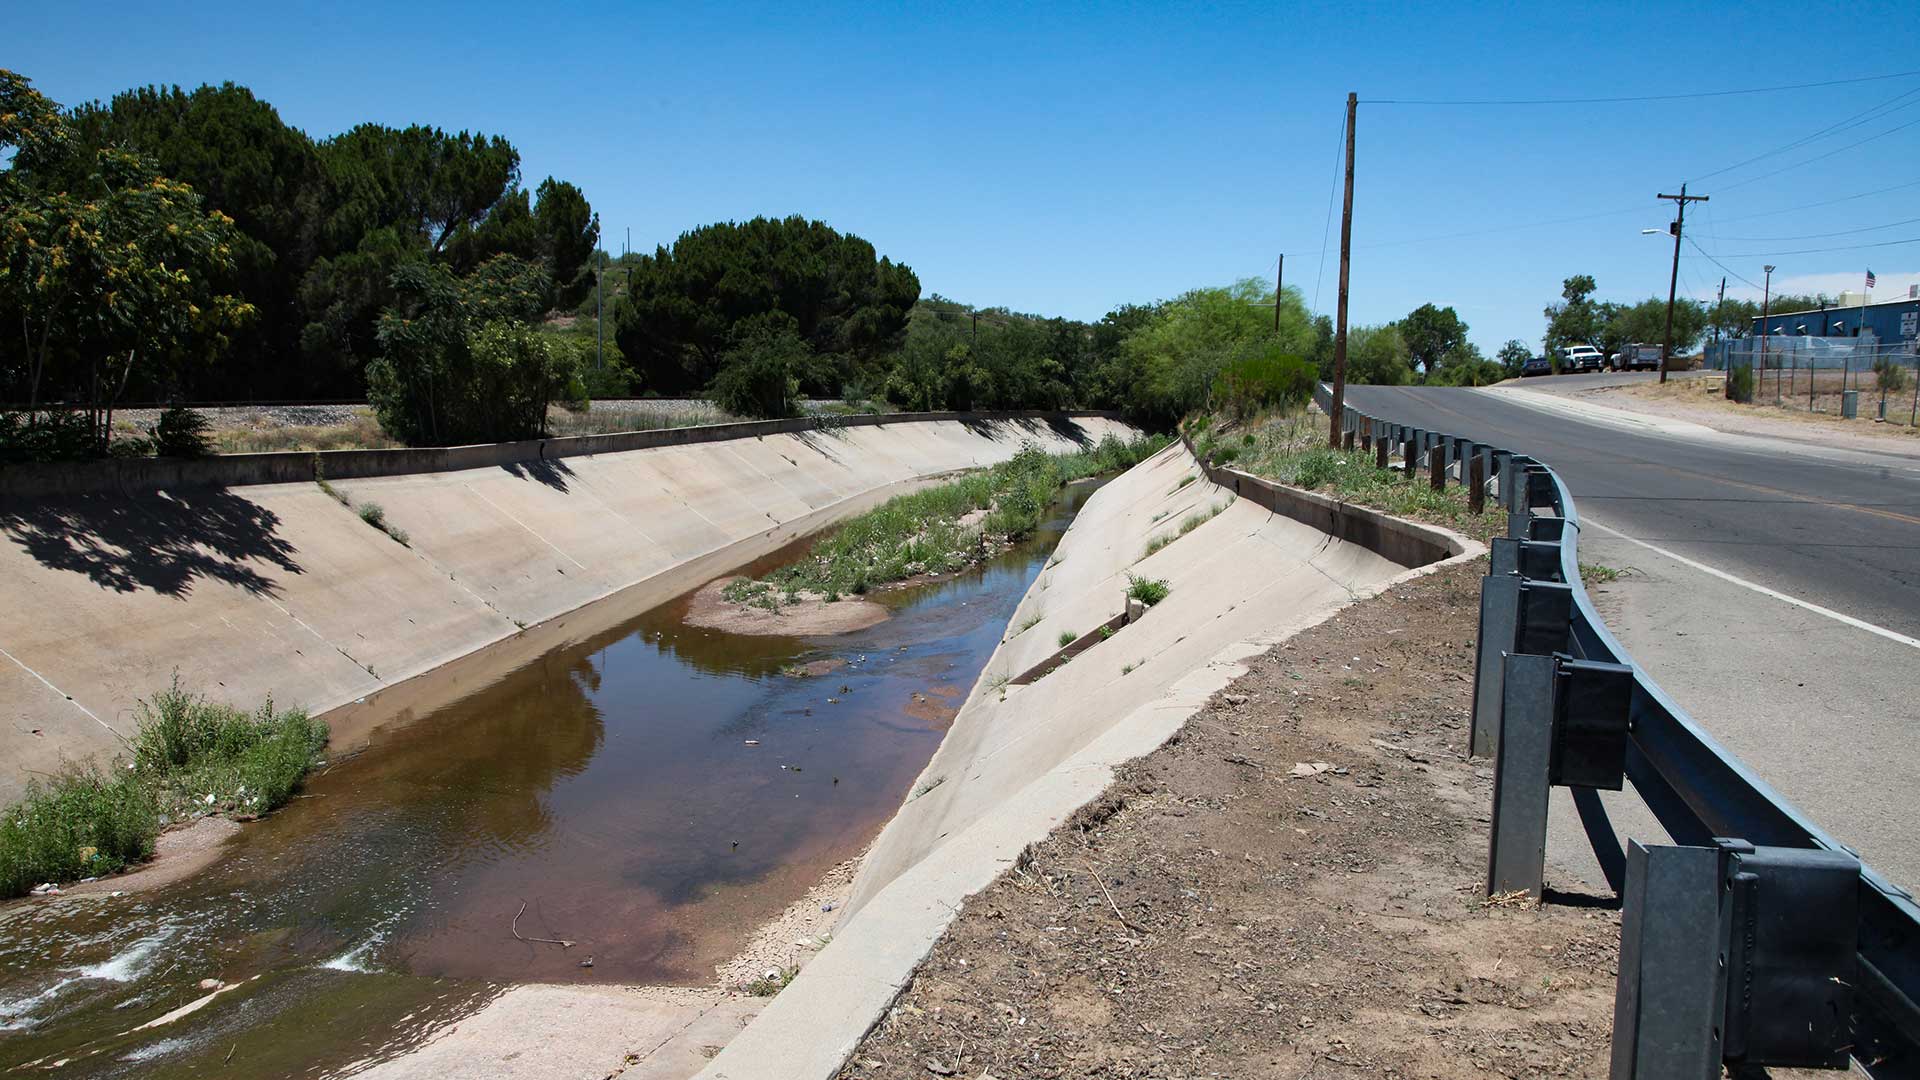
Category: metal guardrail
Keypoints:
(1761, 969)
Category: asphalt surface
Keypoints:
(1823, 710)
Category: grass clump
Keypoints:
(951, 526)
(1067, 637)
(1148, 591)
(1291, 449)
(1596, 574)
(373, 514)
(190, 757)
(81, 823)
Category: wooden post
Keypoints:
(1477, 482)
(1437, 466)
(1340, 323)
(1349, 439)
(1380, 452)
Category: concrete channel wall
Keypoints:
(108, 589)
(1267, 562)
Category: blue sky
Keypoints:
(1064, 158)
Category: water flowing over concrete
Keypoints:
(280, 589)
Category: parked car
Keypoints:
(1538, 365)
(1582, 358)
(1637, 357)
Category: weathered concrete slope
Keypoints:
(1020, 759)
(279, 589)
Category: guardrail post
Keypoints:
(1437, 466)
(1348, 439)
(1737, 956)
(1517, 841)
(1380, 451)
(1669, 984)
(1366, 437)
(1516, 616)
(1410, 453)
(1563, 723)
(1476, 467)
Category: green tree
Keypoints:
(1377, 355)
(1176, 356)
(111, 278)
(1431, 333)
(1646, 322)
(1575, 320)
(689, 300)
(758, 374)
(244, 162)
(447, 375)
(1465, 366)
(1513, 356)
(1269, 379)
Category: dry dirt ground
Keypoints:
(1681, 400)
(1290, 888)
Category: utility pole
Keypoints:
(1766, 302)
(1340, 321)
(1718, 308)
(1673, 280)
(1279, 275)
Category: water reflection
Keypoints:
(651, 794)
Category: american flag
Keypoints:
(1869, 279)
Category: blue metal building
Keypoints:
(1890, 321)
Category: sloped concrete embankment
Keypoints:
(279, 589)
(1020, 759)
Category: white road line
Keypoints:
(1857, 624)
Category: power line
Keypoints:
(1718, 263)
(1814, 236)
(1504, 228)
(1820, 157)
(1826, 202)
(1819, 251)
(1643, 97)
(1320, 273)
(1852, 121)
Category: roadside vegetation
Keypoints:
(189, 758)
(1291, 447)
(940, 529)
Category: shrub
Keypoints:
(187, 748)
(47, 435)
(1148, 591)
(1889, 376)
(1270, 380)
(182, 432)
(1740, 384)
(373, 514)
(1067, 637)
(79, 824)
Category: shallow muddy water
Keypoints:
(651, 795)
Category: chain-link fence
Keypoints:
(1813, 374)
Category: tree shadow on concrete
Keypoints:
(554, 474)
(163, 542)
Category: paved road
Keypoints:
(1824, 709)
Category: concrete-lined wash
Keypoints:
(279, 589)
(1019, 760)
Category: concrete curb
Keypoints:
(302, 466)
